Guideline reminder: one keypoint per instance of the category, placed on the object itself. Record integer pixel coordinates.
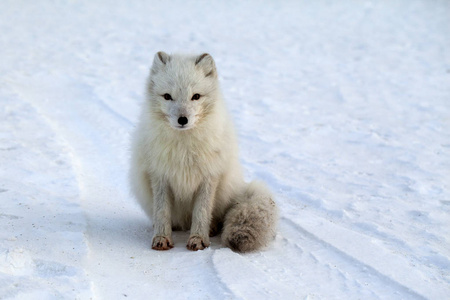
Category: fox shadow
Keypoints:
(119, 231)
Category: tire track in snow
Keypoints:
(359, 251)
(366, 250)
(71, 109)
(42, 181)
(254, 276)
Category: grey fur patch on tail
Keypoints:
(251, 223)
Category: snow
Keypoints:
(343, 108)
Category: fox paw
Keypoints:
(197, 243)
(162, 243)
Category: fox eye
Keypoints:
(196, 97)
(167, 96)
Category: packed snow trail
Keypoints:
(342, 108)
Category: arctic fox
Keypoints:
(185, 171)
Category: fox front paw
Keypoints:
(162, 243)
(197, 243)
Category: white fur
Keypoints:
(189, 177)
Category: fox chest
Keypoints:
(186, 167)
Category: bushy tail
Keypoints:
(250, 223)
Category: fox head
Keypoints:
(182, 89)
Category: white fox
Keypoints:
(185, 170)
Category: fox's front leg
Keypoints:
(201, 216)
(162, 222)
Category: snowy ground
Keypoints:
(342, 107)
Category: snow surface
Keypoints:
(343, 108)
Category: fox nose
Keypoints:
(182, 121)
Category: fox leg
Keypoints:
(201, 216)
(162, 227)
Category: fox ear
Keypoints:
(161, 58)
(206, 62)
